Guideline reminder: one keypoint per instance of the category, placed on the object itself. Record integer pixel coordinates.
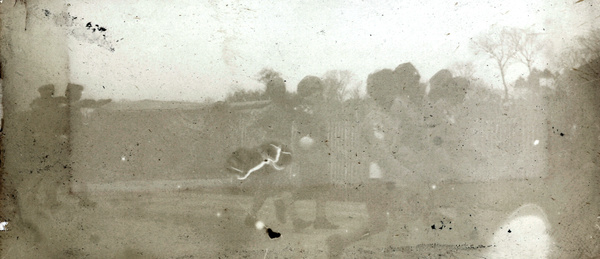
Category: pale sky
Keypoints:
(193, 50)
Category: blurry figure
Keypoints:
(264, 167)
(41, 173)
(261, 167)
(383, 86)
(276, 123)
(48, 121)
(48, 115)
(446, 97)
(312, 156)
(381, 133)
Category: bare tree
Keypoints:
(526, 45)
(587, 48)
(463, 69)
(267, 74)
(497, 44)
(337, 84)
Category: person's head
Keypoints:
(73, 92)
(440, 84)
(450, 90)
(385, 86)
(276, 89)
(311, 89)
(46, 91)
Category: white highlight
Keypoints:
(3, 225)
(123, 158)
(433, 187)
(536, 142)
(267, 161)
(306, 142)
(375, 171)
(259, 225)
(178, 186)
(528, 236)
(218, 214)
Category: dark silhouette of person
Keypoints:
(48, 121)
(41, 174)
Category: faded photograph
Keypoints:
(327, 129)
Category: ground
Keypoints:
(463, 220)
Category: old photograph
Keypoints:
(300, 129)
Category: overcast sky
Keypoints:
(193, 50)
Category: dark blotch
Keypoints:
(102, 29)
(433, 226)
(46, 12)
(272, 234)
(509, 231)
(88, 25)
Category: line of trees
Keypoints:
(340, 85)
(506, 46)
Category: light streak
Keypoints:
(268, 161)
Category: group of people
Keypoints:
(48, 155)
(393, 132)
(309, 141)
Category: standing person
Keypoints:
(275, 121)
(387, 134)
(312, 154)
(379, 131)
(447, 95)
(48, 129)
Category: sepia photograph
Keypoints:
(300, 129)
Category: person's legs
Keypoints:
(257, 202)
(377, 206)
(321, 221)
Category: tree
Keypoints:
(526, 46)
(587, 48)
(498, 45)
(244, 95)
(337, 85)
(463, 69)
(267, 74)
